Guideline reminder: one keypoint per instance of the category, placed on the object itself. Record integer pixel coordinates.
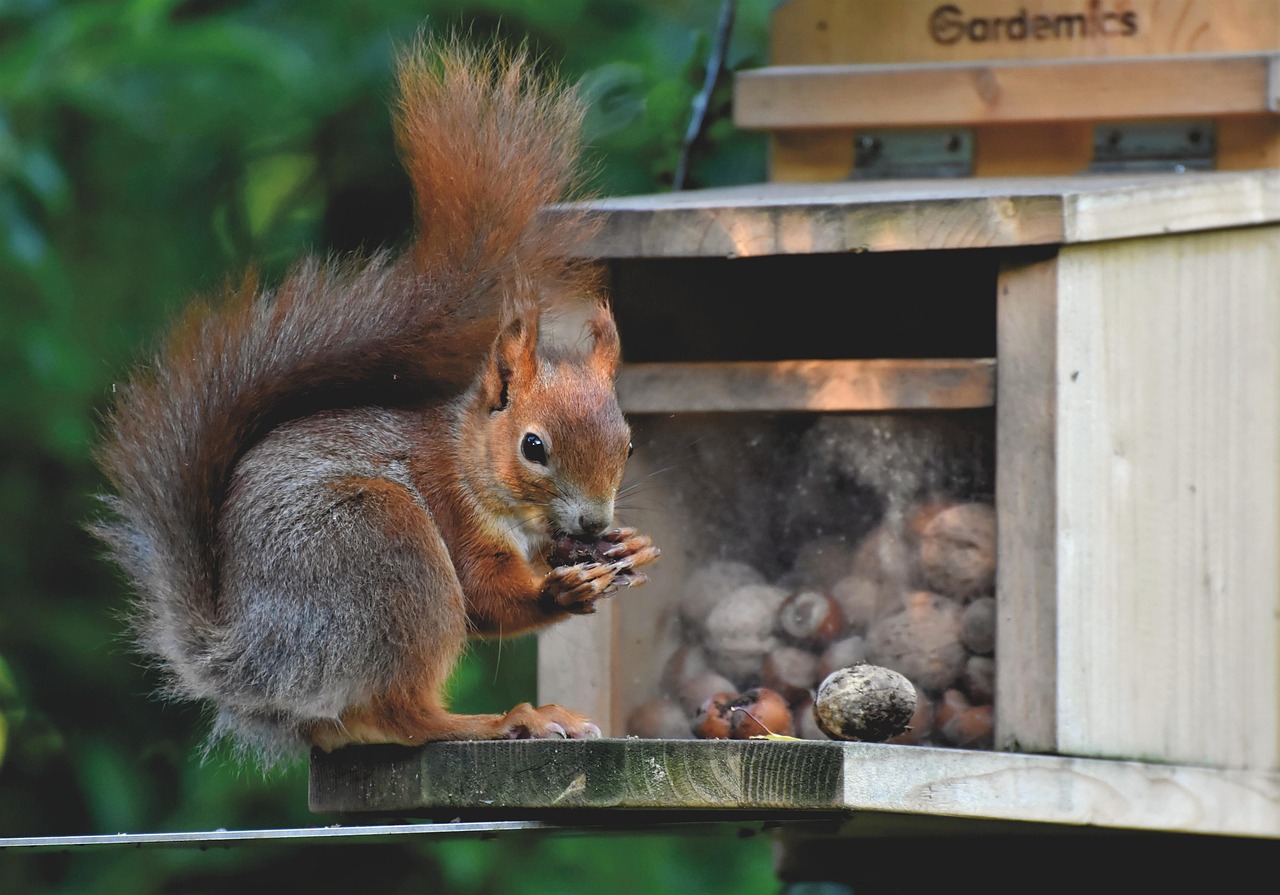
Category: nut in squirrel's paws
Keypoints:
(582, 571)
(570, 551)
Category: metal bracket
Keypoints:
(1117, 148)
(880, 155)
(1160, 146)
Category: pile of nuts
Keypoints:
(915, 595)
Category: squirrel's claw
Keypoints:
(575, 589)
(630, 547)
(547, 722)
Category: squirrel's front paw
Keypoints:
(583, 573)
(576, 588)
(627, 549)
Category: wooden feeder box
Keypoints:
(1116, 333)
(866, 88)
(1094, 356)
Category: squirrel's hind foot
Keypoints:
(524, 722)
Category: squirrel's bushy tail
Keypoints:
(488, 140)
(488, 144)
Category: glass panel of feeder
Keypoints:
(795, 544)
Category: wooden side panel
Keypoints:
(815, 32)
(1019, 150)
(1168, 499)
(808, 385)
(810, 156)
(576, 658)
(1248, 141)
(1026, 586)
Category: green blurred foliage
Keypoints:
(150, 150)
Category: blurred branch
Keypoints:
(715, 62)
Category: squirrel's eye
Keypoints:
(533, 449)
(631, 449)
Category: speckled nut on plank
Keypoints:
(867, 703)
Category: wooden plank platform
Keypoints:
(691, 777)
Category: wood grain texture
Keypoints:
(679, 777)
(807, 385)
(1021, 150)
(609, 773)
(810, 156)
(871, 32)
(1168, 471)
(1026, 490)
(1118, 794)
(756, 220)
(962, 213)
(833, 31)
(1245, 142)
(962, 94)
(1178, 204)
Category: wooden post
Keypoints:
(1026, 489)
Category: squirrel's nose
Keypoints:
(592, 527)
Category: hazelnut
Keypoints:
(920, 727)
(979, 679)
(973, 728)
(952, 704)
(978, 627)
(692, 693)
(958, 551)
(887, 555)
(707, 586)
(810, 618)
(865, 600)
(567, 551)
(791, 671)
(713, 721)
(740, 630)
(922, 641)
(758, 712)
(920, 513)
(868, 703)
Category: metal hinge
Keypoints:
(1117, 147)
(912, 153)
(1159, 146)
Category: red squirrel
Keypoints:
(321, 490)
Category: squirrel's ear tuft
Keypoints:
(514, 359)
(606, 348)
